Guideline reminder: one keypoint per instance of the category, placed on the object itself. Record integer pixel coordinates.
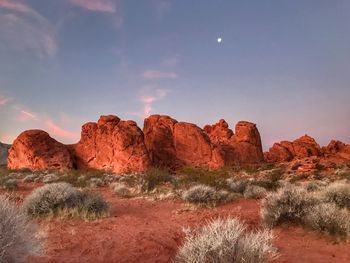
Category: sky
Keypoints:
(282, 64)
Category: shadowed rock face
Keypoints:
(112, 145)
(36, 150)
(4, 148)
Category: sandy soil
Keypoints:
(140, 230)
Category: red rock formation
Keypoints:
(242, 148)
(286, 151)
(36, 150)
(112, 145)
(174, 144)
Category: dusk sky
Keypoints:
(283, 64)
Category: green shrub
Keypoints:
(154, 177)
(18, 237)
(64, 200)
(338, 193)
(203, 194)
(329, 218)
(215, 178)
(254, 192)
(289, 204)
(226, 241)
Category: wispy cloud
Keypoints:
(149, 98)
(157, 74)
(23, 28)
(170, 61)
(96, 5)
(55, 130)
(3, 100)
(25, 116)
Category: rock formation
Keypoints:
(36, 150)
(4, 148)
(174, 144)
(286, 151)
(111, 145)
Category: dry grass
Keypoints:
(226, 241)
(338, 193)
(254, 192)
(203, 194)
(18, 237)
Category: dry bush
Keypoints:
(289, 204)
(338, 193)
(121, 190)
(202, 194)
(255, 192)
(64, 200)
(18, 237)
(224, 241)
(237, 186)
(329, 218)
(214, 178)
(315, 186)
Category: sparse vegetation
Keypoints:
(338, 193)
(289, 204)
(154, 177)
(237, 186)
(224, 241)
(203, 194)
(18, 236)
(214, 178)
(255, 192)
(121, 190)
(329, 218)
(62, 199)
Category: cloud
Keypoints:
(23, 28)
(3, 100)
(156, 74)
(95, 5)
(149, 99)
(56, 130)
(26, 116)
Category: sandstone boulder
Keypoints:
(112, 145)
(36, 150)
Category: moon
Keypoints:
(219, 39)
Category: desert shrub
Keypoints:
(10, 184)
(289, 204)
(121, 190)
(338, 193)
(81, 178)
(154, 177)
(96, 182)
(50, 178)
(64, 200)
(215, 178)
(237, 186)
(329, 218)
(18, 237)
(255, 192)
(224, 241)
(315, 186)
(203, 194)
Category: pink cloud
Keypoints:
(56, 130)
(3, 100)
(149, 99)
(96, 5)
(27, 116)
(156, 74)
(14, 5)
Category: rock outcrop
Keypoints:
(286, 151)
(174, 144)
(112, 145)
(36, 150)
(4, 148)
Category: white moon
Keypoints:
(219, 40)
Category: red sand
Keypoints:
(139, 230)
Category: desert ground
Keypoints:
(148, 227)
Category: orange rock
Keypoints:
(36, 150)
(112, 145)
